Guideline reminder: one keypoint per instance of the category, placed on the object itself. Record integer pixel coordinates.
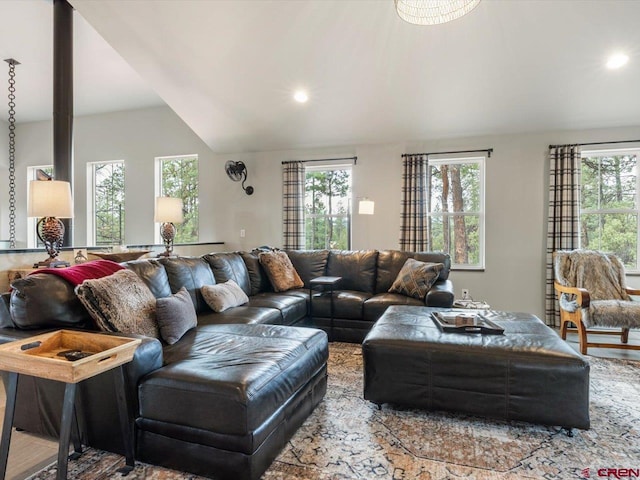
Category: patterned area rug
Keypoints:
(349, 438)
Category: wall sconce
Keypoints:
(168, 212)
(50, 200)
(366, 206)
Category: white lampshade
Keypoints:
(366, 206)
(50, 198)
(168, 210)
(433, 12)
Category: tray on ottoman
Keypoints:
(529, 373)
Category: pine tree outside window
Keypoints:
(178, 178)
(456, 210)
(327, 207)
(106, 215)
(609, 210)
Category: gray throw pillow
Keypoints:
(416, 278)
(176, 315)
(223, 296)
(120, 303)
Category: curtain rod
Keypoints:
(355, 160)
(488, 150)
(597, 143)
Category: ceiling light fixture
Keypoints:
(301, 96)
(433, 12)
(617, 60)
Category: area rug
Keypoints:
(347, 437)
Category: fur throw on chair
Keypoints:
(602, 275)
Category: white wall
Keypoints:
(516, 192)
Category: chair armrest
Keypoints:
(632, 291)
(582, 295)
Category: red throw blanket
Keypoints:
(77, 274)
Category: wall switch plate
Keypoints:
(242, 233)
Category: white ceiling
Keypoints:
(229, 68)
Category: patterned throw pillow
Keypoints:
(120, 303)
(223, 296)
(176, 314)
(416, 278)
(282, 275)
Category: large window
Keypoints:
(178, 178)
(105, 217)
(327, 207)
(456, 209)
(609, 209)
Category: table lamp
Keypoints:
(50, 200)
(168, 212)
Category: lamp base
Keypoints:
(52, 263)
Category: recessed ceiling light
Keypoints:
(301, 96)
(617, 60)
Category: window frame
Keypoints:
(91, 201)
(325, 167)
(481, 214)
(603, 211)
(159, 191)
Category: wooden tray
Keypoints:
(38, 355)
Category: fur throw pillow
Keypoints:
(223, 296)
(120, 303)
(282, 275)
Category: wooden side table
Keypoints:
(330, 282)
(43, 356)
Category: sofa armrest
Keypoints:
(440, 295)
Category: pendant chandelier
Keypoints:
(12, 151)
(433, 12)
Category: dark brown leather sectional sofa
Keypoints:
(224, 400)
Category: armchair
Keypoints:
(591, 291)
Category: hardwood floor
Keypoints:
(30, 453)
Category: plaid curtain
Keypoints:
(414, 225)
(293, 205)
(563, 230)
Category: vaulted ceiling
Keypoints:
(230, 68)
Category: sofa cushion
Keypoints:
(357, 269)
(175, 315)
(231, 379)
(257, 276)
(229, 266)
(280, 271)
(223, 296)
(153, 274)
(375, 306)
(41, 300)
(120, 303)
(390, 262)
(191, 273)
(346, 304)
(292, 308)
(416, 278)
(242, 314)
(309, 263)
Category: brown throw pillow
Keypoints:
(282, 275)
(176, 315)
(416, 278)
(120, 303)
(223, 296)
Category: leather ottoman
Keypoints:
(229, 398)
(529, 373)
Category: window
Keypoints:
(105, 216)
(32, 234)
(178, 178)
(327, 207)
(456, 209)
(609, 204)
